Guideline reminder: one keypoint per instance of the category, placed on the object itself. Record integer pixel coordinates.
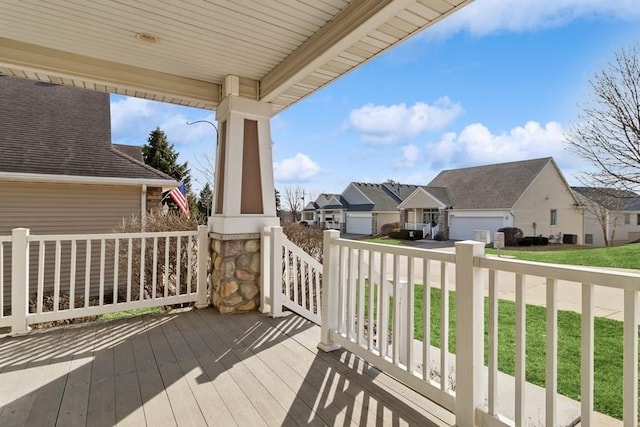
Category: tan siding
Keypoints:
(47, 208)
(386, 218)
(548, 191)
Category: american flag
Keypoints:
(179, 197)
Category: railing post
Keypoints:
(276, 271)
(265, 270)
(19, 280)
(469, 333)
(203, 266)
(330, 284)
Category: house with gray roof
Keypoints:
(532, 195)
(611, 216)
(362, 208)
(59, 171)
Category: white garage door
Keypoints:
(462, 228)
(358, 224)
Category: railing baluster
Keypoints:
(1, 280)
(444, 326)
(102, 265)
(426, 320)
(56, 278)
(189, 263)
(129, 267)
(551, 368)
(87, 274)
(167, 244)
(395, 336)
(586, 357)
(351, 293)
(116, 269)
(341, 287)
(380, 289)
(409, 308)
(286, 276)
(296, 283)
(630, 360)
(178, 254)
(371, 311)
(383, 307)
(317, 292)
(305, 277)
(520, 362)
(40, 291)
(362, 318)
(72, 277)
(154, 274)
(493, 343)
(143, 250)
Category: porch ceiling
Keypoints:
(281, 50)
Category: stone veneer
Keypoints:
(154, 199)
(235, 272)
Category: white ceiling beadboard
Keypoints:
(282, 50)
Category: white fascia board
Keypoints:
(95, 180)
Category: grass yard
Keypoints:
(626, 256)
(608, 347)
(384, 240)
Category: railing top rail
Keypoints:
(5, 239)
(432, 254)
(300, 253)
(620, 279)
(54, 237)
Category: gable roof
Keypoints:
(497, 186)
(384, 197)
(611, 198)
(60, 131)
(134, 151)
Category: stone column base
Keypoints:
(235, 277)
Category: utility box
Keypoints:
(483, 236)
(498, 240)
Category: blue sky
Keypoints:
(498, 81)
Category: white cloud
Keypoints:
(410, 156)
(381, 124)
(132, 119)
(483, 17)
(476, 145)
(299, 168)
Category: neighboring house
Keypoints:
(532, 195)
(362, 208)
(610, 216)
(59, 172)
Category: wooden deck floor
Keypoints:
(197, 368)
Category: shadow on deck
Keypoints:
(197, 368)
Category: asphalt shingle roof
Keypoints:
(496, 186)
(385, 197)
(610, 198)
(57, 130)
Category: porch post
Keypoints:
(244, 199)
(329, 312)
(265, 269)
(203, 264)
(19, 280)
(469, 333)
(276, 271)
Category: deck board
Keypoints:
(198, 368)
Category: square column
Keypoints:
(244, 199)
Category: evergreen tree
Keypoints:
(159, 153)
(204, 201)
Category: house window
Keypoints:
(627, 219)
(638, 219)
(588, 239)
(554, 217)
(429, 215)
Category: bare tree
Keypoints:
(608, 130)
(293, 201)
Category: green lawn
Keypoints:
(384, 240)
(626, 256)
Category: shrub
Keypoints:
(157, 222)
(512, 236)
(386, 229)
(406, 234)
(307, 238)
(533, 241)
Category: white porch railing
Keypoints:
(376, 322)
(105, 272)
(294, 277)
(428, 232)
